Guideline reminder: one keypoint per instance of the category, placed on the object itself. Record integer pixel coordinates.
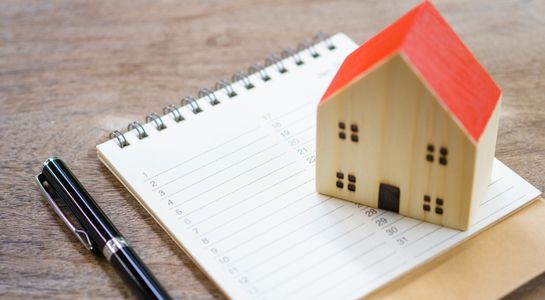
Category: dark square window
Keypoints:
(439, 201)
(340, 184)
(443, 161)
(427, 198)
(354, 138)
(426, 207)
(429, 158)
(439, 210)
(351, 178)
(431, 148)
(443, 151)
(354, 127)
(340, 175)
(342, 135)
(342, 125)
(351, 187)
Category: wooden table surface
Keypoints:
(72, 71)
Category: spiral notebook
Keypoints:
(230, 177)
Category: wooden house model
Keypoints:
(409, 124)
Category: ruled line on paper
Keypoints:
(270, 273)
(304, 105)
(301, 132)
(455, 233)
(364, 268)
(499, 194)
(499, 209)
(236, 190)
(304, 143)
(226, 168)
(213, 161)
(269, 228)
(254, 208)
(495, 181)
(410, 228)
(278, 224)
(290, 232)
(387, 272)
(207, 151)
(423, 236)
(390, 225)
(330, 271)
(379, 215)
(307, 115)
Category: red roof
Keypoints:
(441, 59)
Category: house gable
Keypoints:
(438, 57)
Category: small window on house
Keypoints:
(429, 156)
(351, 178)
(351, 187)
(443, 158)
(342, 127)
(426, 207)
(340, 178)
(354, 135)
(354, 127)
(439, 206)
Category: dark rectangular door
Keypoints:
(388, 197)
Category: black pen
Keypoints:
(98, 232)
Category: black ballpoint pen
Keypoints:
(98, 232)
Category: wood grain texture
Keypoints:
(72, 71)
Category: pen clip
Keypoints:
(82, 236)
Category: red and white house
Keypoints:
(409, 123)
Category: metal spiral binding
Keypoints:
(139, 129)
(174, 111)
(308, 45)
(240, 76)
(277, 61)
(188, 100)
(208, 93)
(290, 52)
(121, 140)
(322, 37)
(257, 68)
(156, 119)
(226, 86)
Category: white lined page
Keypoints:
(234, 186)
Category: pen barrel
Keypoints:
(137, 275)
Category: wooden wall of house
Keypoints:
(400, 128)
